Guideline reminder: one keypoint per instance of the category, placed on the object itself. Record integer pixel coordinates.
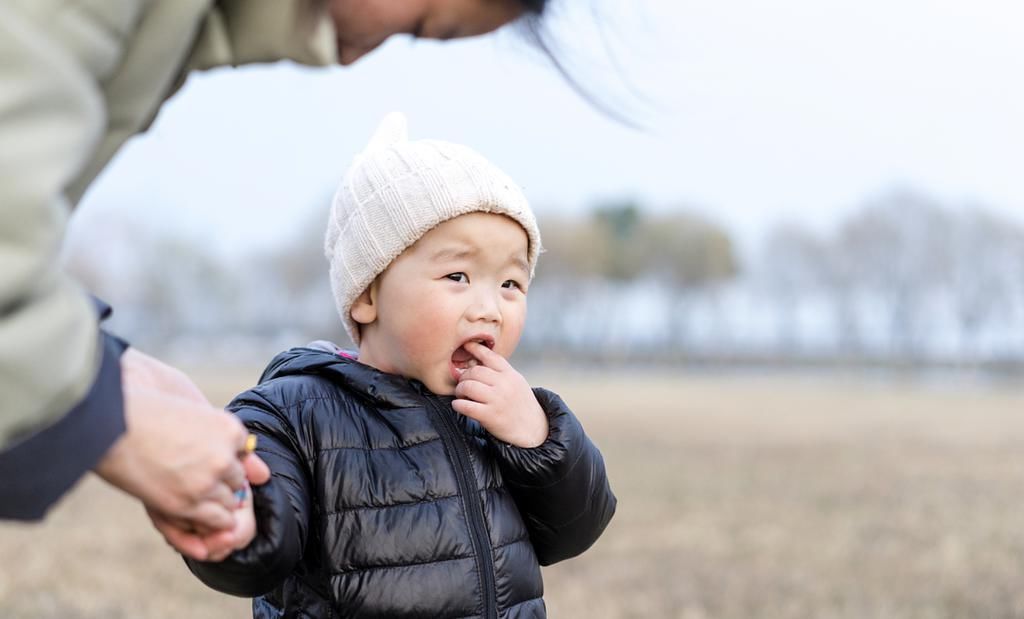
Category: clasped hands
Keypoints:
(185, 460)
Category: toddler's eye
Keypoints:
(511, 284)
(458, 277)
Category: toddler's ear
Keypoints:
(364, 308)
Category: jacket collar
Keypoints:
(388, 390)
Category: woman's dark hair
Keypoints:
(534, 6)
(532, 28)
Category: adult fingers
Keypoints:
(175, 453)
(234, 474)
(184, 541)
(223, 495)
(211, 515)
(232, 470)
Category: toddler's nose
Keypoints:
(485, 307)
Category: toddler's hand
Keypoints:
(204, 544)
(497, 396)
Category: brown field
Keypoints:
(740, 498)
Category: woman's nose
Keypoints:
(348, 54)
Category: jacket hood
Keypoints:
(386, 389)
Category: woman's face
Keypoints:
(362, 25)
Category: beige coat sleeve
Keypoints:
(51, 117)
(79, 79)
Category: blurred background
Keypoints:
(789, 308)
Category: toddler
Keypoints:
(420, 476)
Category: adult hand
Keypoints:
(205, 545)
(179, 454)
(498, 396)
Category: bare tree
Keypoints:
(985, 274)
(693, 257)
(896, 253)
(793, 267)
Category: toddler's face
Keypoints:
(464, 280)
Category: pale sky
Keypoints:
(796, 109)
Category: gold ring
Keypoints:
(250, 446)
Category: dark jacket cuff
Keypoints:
(560, 487)
(268, 559)
(549, 462)
(37, 471)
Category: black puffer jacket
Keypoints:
(386, 503)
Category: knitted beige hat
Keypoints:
(395, 191)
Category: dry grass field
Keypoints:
(740, 497)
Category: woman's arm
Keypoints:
(560, 487)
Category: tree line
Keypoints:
(902, 278)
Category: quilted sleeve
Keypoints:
(560, 487)
(282, 507)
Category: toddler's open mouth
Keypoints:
(463, 360)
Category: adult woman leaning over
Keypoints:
(79, 79)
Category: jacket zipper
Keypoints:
(455, 443)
